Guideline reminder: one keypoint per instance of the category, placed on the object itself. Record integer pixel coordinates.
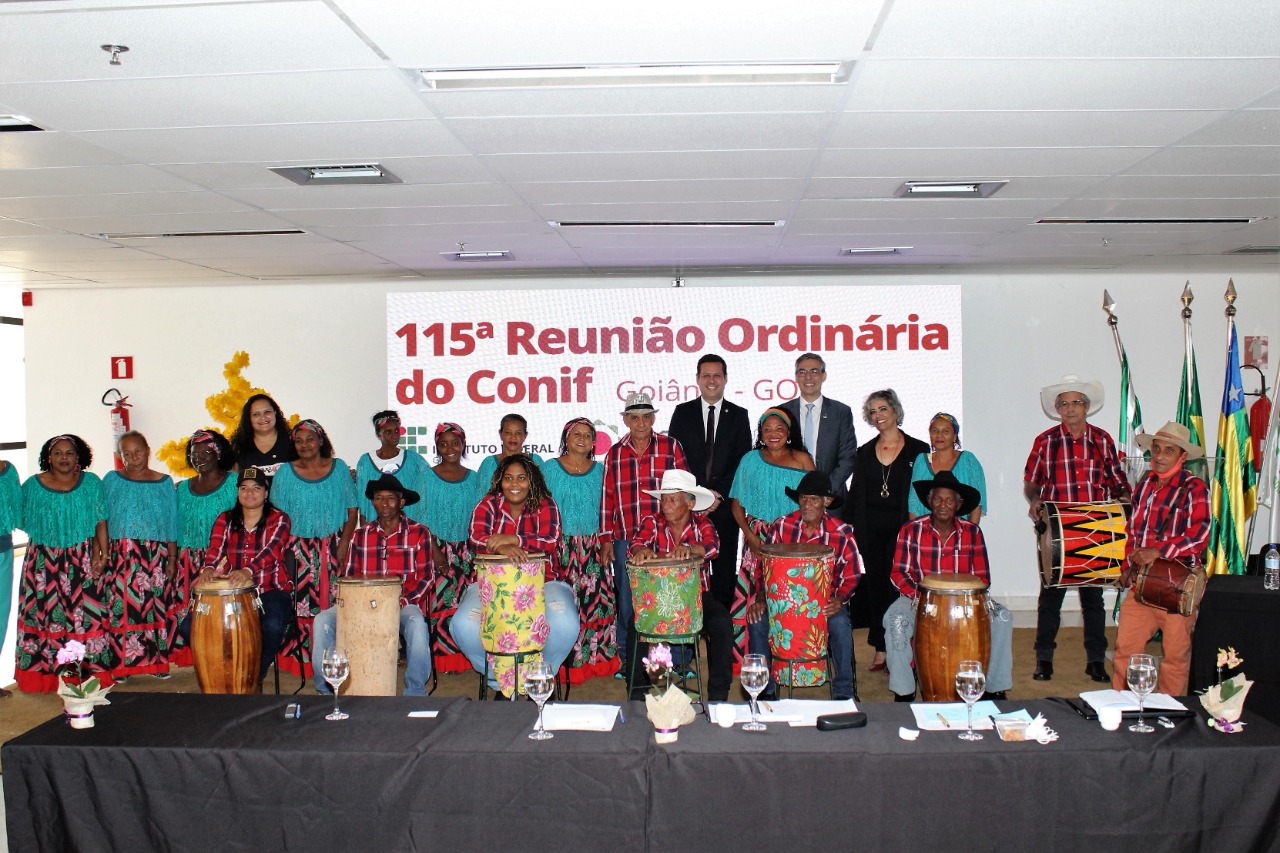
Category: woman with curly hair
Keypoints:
(318, 495)
(576, 481)
(261, 439)
(778, 462)
(142, 524)
(62, 595)
(450, 492)
(515, 519)
(201, 499)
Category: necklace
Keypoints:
(884, 481)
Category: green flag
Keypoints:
(1190, 412)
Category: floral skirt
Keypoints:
(745, 591)
(178, 595)
(315, 575)
(596, 652)
(446, 588)
(139, 613)
(58, 601)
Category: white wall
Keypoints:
(319, 347)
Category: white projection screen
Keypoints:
(551, 355)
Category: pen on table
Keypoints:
(944, 721)
(622, 718)
(768, 707)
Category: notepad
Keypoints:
(1127, 700)
(795, 712)
(574, 717)
(948, 716)
(422, 714)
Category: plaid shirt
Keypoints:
(848, 565)
(404, 553)
(1185, 523)
(626, 473)
(921, 551)
(656, 535)
(260, 550)
(1075, 471)
(538, 529)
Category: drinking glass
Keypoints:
(971, 681)
(539, 682)
(1141, 676)
(755, 677)
(335, 667)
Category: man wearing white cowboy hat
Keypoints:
(680, 531)
(634, 464)
(1171, 522)
(1075, 462)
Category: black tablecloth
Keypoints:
(170, 771)
(1236, 611)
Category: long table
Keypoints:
(174, 771)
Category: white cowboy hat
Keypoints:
(1174, 433)
(674, 480)
(1071, 382)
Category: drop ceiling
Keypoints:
(1087, 109)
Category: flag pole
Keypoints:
(1187, 298)
(1127, 389)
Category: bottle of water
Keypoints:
(1271, 569)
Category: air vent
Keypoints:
(1177, 220)
(949, 189)
(155, 236)
(726, 223)
(1255, 250)
(16, 124)
(762, 73)
(469, 255)
(334, 175)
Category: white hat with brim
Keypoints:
(675, 480)
(1174, 433)
(639, 403)
(1071, 382)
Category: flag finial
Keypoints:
(1187, 298)
(1230, 296)
(1109, 305)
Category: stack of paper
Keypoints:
(945, 716)
(572, 717)
(795, 712)
(1127, 700)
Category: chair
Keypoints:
(667, 601)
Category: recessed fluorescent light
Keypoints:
(949, 189)
(1175, 220)
(157, 235)
(361, 173)
(501, 255)
(727, 223)
(760, 73)
(876, 250)
(16, 123)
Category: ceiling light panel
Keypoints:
(612, 76)
(337, 174)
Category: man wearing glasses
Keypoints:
(825, 424)
(1074, 463)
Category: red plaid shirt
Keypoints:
(626, 473)
(831, 532)
(1076, 470)
(538, 529)
(656, 535)
(921, 551)
(404, 553)
(1181, 506)
(260, 550)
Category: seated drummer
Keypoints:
(247, 546)
(391, 545)
(517, 519)
(812, 523)
(942, 542)
(680, 531)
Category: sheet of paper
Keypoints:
(949, 716)
(573, 717)
(420, 714)
(794, 712)
(1128, 700)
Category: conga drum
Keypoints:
(226, 637)
(952, 624)
(369, 632)
(1082, 544)
(666, 596)
(797, 588)
(513, 614)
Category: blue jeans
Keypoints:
(839, 638)
(562, 619)
(417, 642)
(277, 611)
(625, 613)
(900, 631)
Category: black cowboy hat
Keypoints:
(388, 483)
(969, 496)
(814, 483)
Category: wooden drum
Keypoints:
(666, 595)
(226, 637)
(797, 580)
(369, 632)
(952, 624)
(1082, 544)
(513, 614)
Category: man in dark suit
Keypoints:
(713, 464)
(826, 424)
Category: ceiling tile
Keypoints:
(650, 165)
(627, 192)
(28, 183)
(949, 163)
(1212, 160)
(117, 204)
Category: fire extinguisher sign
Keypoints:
(121, 367)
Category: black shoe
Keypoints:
(1044, 670)
(999, 695)
(910, 697)
(1097, 670)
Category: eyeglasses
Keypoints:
(1067, 404)
(812, 371)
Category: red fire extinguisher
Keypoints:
(119, 421)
